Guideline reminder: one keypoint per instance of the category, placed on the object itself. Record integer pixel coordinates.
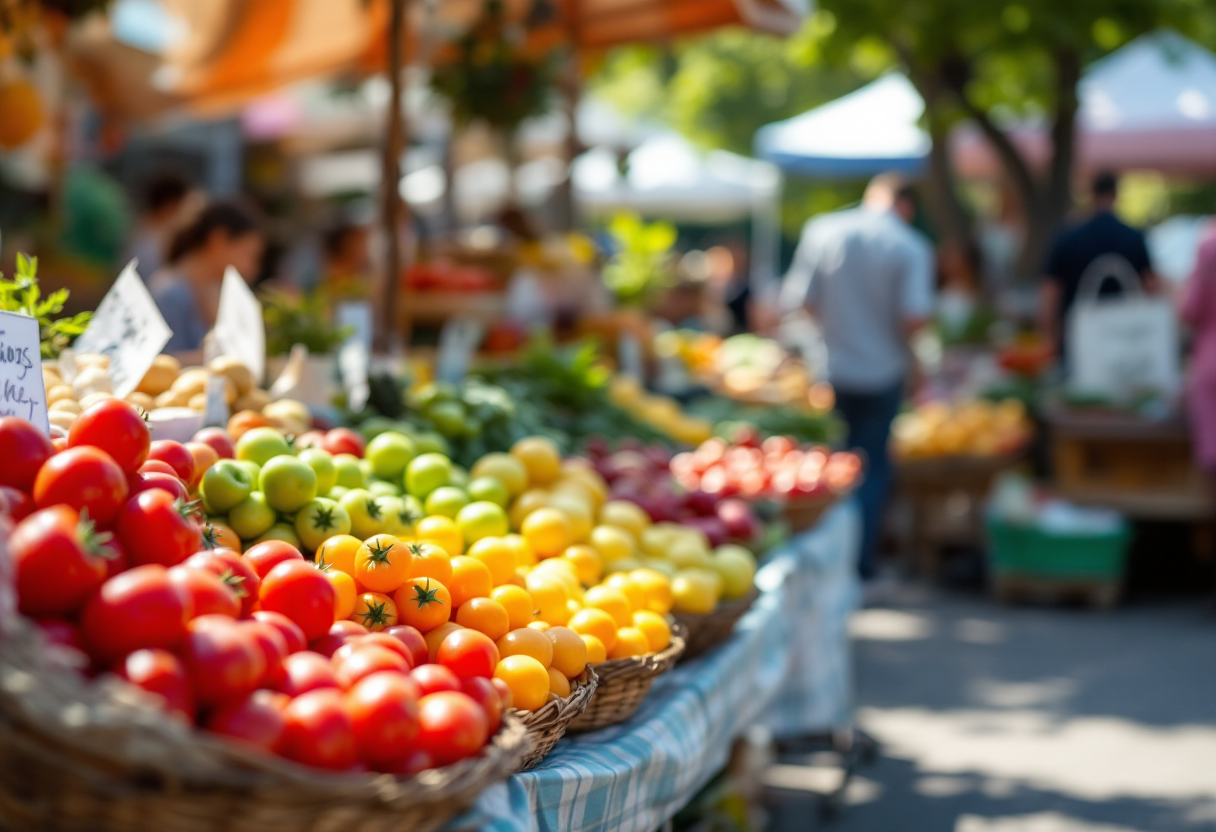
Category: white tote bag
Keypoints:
(1122, 346)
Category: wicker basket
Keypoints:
(624, 683)
(706, 632)
(80, 756)
(548, 724)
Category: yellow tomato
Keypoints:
(613, 543)
(591, 621)
(517, 602)
(441, 531)
(503, 467)
(569, 651)
(549, 595)
(540, 457)
(657, 587)
(485, 615)
(527, 503)
(595, 649)
(578, 512)
(632, 590)
(345, 592)
(497, 555)
(564, 571)
(628, 516)
(527, 642)
(559, 685)
(470, 579)
(547, 531)
(528, 680)
(655, 628)
(696, 591)
(630, 641)
(431, 561)
(612, 601)
(524, 556)
(586, 562)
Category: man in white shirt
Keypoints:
(866, 276)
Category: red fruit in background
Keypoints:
(137, 609)
(364, 660)
(60, 560)
(140, 483)
(236, 573)
(219, 440)
(269, 554)
(176, 456)
(204, 457)
(482, 692)
(83, 478)
(713, 529)
(468, 653)
(17, 505)
(383, 710)
(451, 727)
(700, 503)
(62, 633)
(273, 646)
(155, 466)
(433, 678)
(162, 673)
(383, 640)
(291, 631)
(156, 528)
(117, 428)
(319, 731)
(24, 450)
(257, 720)
(343, 441)
(739, 519)
(223, 661)
(116, 558)
(299, 591)
(504, 692)
(340, 633)
(413, 641)
(412, 763)
(208, 594)
(310, 439)
(304, 672)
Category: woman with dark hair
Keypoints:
(187, 290)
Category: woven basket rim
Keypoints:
(650, 664)
(564, 709)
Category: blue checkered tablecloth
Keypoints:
(778, 669)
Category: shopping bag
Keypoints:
(1123, 346)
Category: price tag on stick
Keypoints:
(128, 328)
(355, 352)
(240, 330)
(21, 390)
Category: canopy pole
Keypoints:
(572, 89)
(394, 328)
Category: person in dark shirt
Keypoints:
(1077, 248)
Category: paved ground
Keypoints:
(1025, 719)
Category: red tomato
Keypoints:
(156, 528)
(319, 731)
(382, 640)
(309, 439)
(451, 726)
(139, 608)
(364, 660)
(62, 633)
(266, 556)
(291, 632)
(340, 632)
(468, 653)
(236, 573)
(60, 561)
(207, 592)
(219, 440)
(83, 478)
(413, 641)
(162, 673)
(224, 662)
(257, 719)
(434, 678)
(383, 710)
(117, 561)
(16, 504)
(298, 590)
(155, 466)
(118, 429)
(504, 692)
(176, 455)
(165, 482)
(412, 763)
(24, 450)
(343, 441)
(273, 646)
(306, 671)
(482, 692)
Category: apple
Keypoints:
(739, 519)
(218, 439)
(322, 464)
(482, 519)
(426, 473)
(252, 517)
(389, 454)
(700, 503)
(225, 485)
(343, 441)
(737, 567)
(288, 483)
(713, 529)
(261, 445)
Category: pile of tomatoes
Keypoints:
(778, 468)
(111, 561)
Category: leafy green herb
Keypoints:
(23, 296)
(303, 320)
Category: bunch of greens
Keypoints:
(23, 296)
(641, 265)
(303, 320)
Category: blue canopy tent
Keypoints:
(869, 131)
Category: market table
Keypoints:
(787, 666)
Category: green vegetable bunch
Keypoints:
(303, 320)
(23, 296)
(642, 264)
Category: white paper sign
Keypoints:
(216, 414)
(458, 339)
(21, 390)
(129, 328)
(354, 354)
(239, 328)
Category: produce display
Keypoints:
(663, 413)
(977, 428)
(777, 468)
(745, 367)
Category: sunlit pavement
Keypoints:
(996, 719)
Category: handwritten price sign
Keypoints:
(127, 327)
(21, 390)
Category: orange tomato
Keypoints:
(517, 602)
(595, 649)
(218, 535)
(244, 421)
(436, 636)
(595, 622)
(382, 563)
(540, 457)
(430, 561)
(657, 586)
(497, 555)
(540, 626)
(527, 642)
(375, 611)
(470, 579)
(586, 562)
(630, 588)
(525, 504)
(423, 603)
(524, 556)
(345, 592)
(549, 595)
(547, 531)
(559, 685)
(630, 641)
(485, 615)
(569, 651)
(612, 601)
(338, 552)
(655, 628)
(528, 680)
(442, 531)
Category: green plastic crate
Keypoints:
(1030, 552)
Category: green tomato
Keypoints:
(261, 445)
(491, 489)
(320, 520)
(375, 426)
(224, 485)
(436, 391)
(446, 500)
(482, 519)
(459, 477)
(322, 464)
(288, 483)
(384, 488)
(388, 454)
(429, 442)
(281, 531)
(252, 517)
(366, 515)
(348, 473)
(366, 467)
(337, 492)
(426, 473)
(397, 519)
(448, 418)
